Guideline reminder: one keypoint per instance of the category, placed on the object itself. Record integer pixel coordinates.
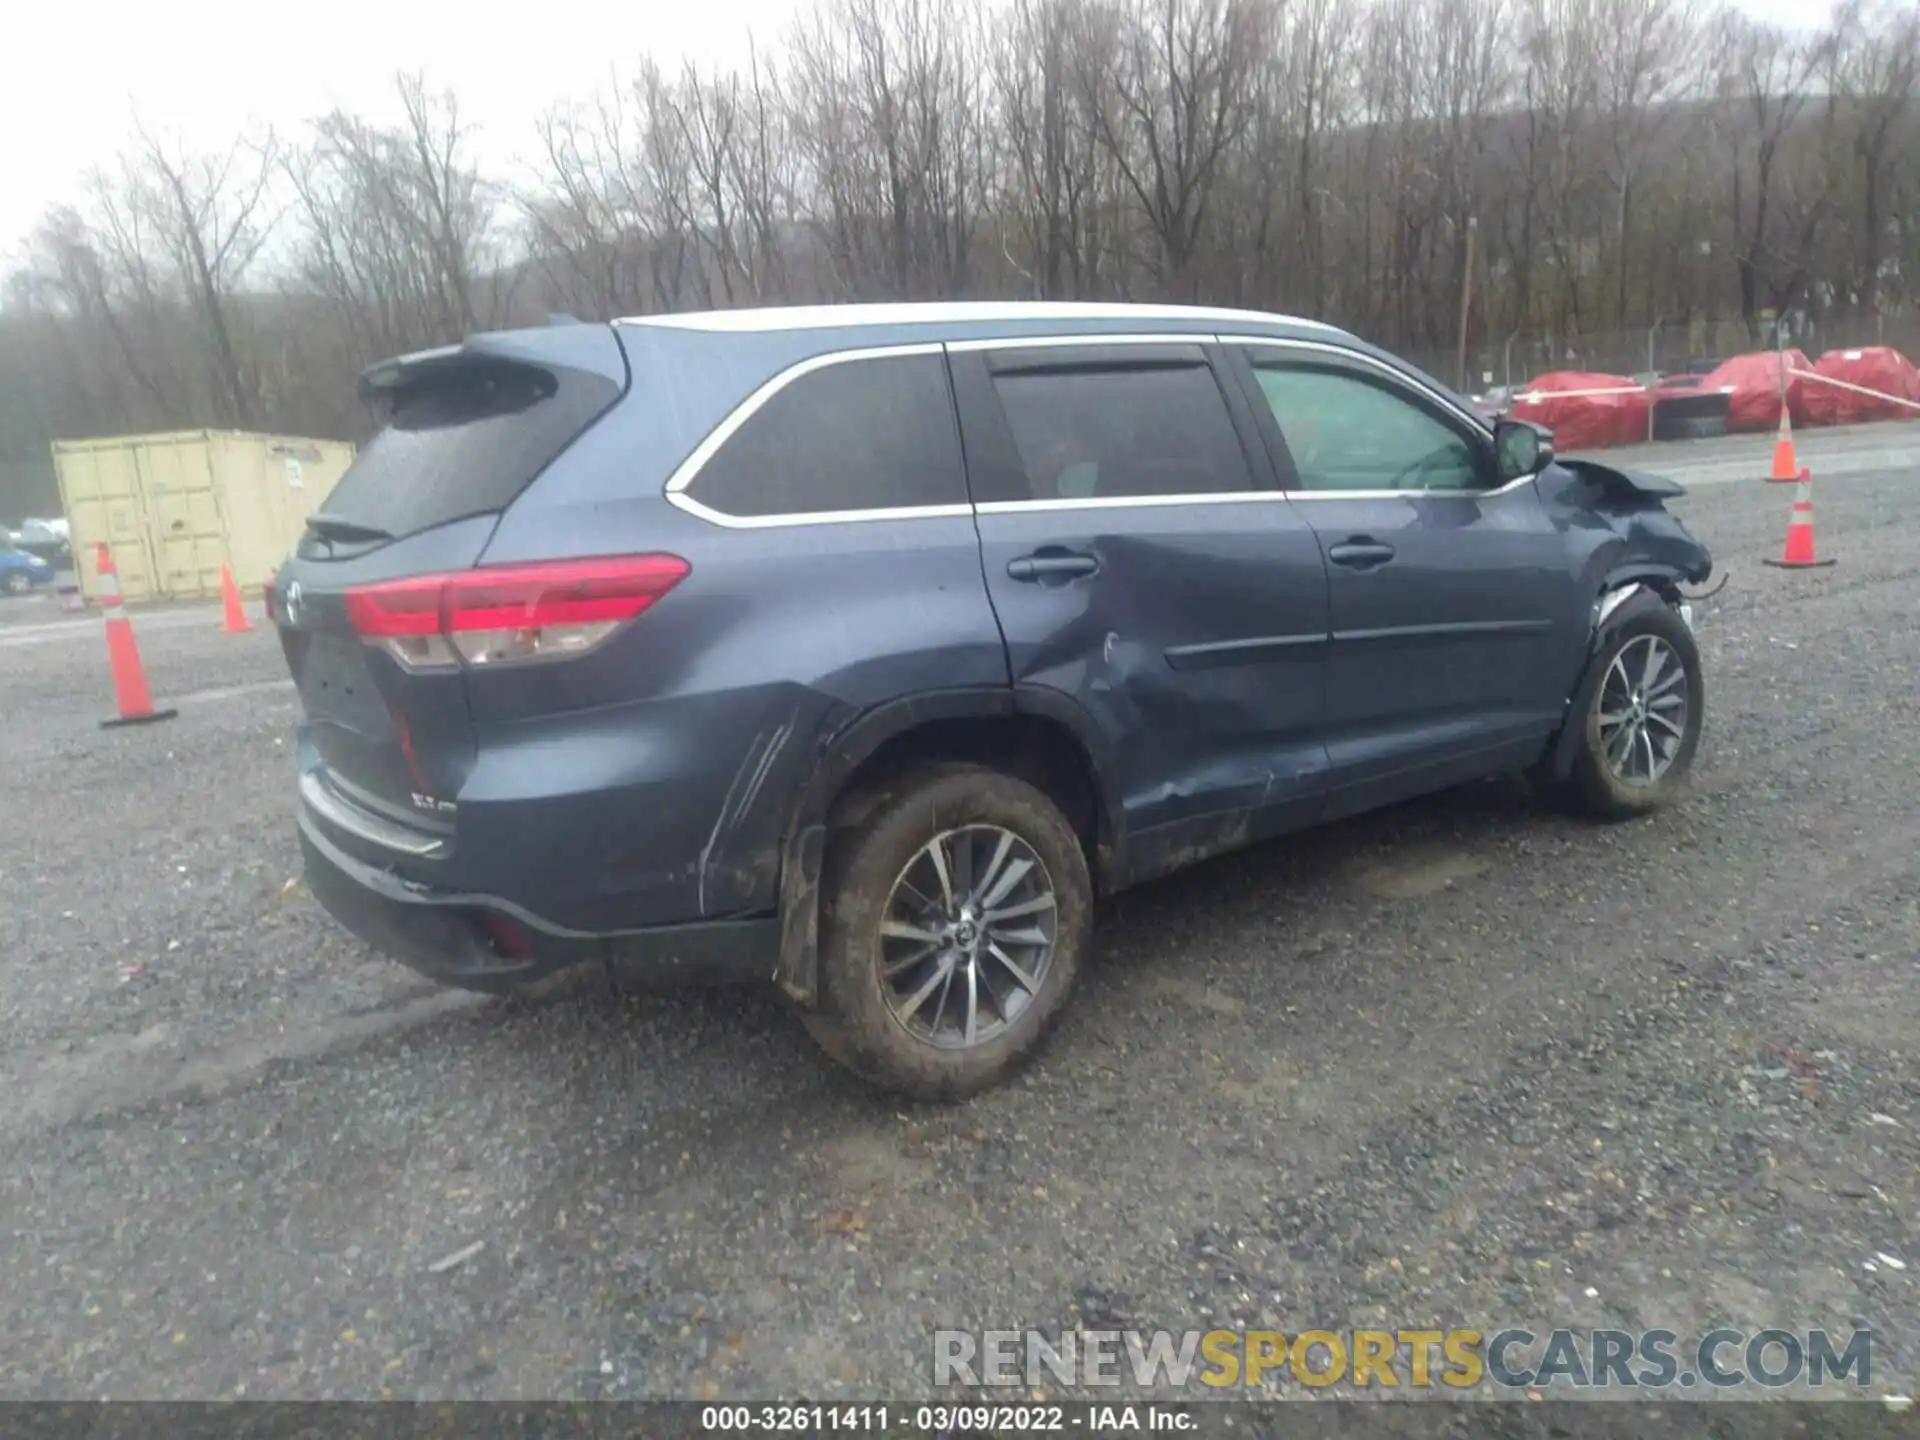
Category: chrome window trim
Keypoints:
(1304, 495)
(817, 517)
(1063, 342)
(1130, 502)
(785, 318)
(684, 475)
(1403, 382)
(1104, 502)
(1398, 377)
(689, 469)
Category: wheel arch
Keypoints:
(1663, 579)
(1037, 736)
(1639, 588)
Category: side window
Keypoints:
(1102, 434)
(1349, 433)
(872, 434)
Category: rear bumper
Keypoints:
(456, 939)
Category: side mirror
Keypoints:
(1523, 447)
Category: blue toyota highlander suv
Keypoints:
(860, 649)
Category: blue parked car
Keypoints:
(21, 571)
(857, 650)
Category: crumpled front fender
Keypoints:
(1630, 535)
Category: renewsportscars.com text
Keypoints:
(1557, 1360)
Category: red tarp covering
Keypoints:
(1877, 367)
(1582, 420)
(1753, 383)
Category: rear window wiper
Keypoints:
(335, 527)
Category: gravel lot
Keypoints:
(1464, 1063)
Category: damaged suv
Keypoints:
(858, 650)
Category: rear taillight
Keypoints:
(509, 614)
(270, 594)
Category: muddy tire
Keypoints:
(1642, 720)
(953, 919)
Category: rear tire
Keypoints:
(17, 582)
(1642, 723)
(983, 888)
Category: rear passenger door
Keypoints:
(1147, 577)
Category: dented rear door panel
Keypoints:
(1194, 641)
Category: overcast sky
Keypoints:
(75, 72)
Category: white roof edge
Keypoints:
(821, 317)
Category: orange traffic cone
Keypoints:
(1799, 552)
(236, 622)
(129, 678)
(1786, 469)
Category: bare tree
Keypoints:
(1170, 86)
(399, 227)
(589, 238)
(1583, 165)
(184, 229)
(1317, 81)
(1767, 74)
(102, 286)
(1646, 59)
(1876, 66)
(451, 204)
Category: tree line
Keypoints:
(1440, 176)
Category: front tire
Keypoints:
(17, 582)
(1642, 722)
(952, 926)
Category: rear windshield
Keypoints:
(464, 443)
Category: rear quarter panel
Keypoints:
(682, 744)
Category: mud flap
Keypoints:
(798, 973)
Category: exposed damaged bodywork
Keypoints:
(1632, 542)
(1646, 542)
(1628, 486)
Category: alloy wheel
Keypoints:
(1643, 710)
(967, 936)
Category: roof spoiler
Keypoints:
(592, 349)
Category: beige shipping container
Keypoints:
(172, 508)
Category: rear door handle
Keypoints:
(1052, 566)
(1360, 554)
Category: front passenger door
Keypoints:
(1454, 600)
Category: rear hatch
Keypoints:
(366, 605)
